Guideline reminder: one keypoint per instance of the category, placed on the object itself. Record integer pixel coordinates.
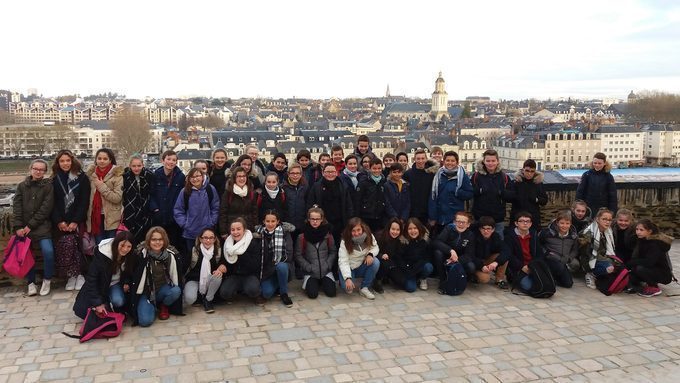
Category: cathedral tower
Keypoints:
(440, 99)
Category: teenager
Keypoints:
(625, 238)
(492, 188)
(311, 171)
(31, 209)
(451, 187)
(392, 245)
(315, 254)
(372, 196)
(363, 146)
(560, 244)
(107, 282)
(402, 159)
(580, 215)
(351, 178)
(205, 270)
(218, 171)
(279, 165)
(437, 155)
(331, 195)
(239, 201)
(253, 153)
(489, 255)
(277, 256)
(272, 197)
(650, 264)
(201, 165)
(455, 244)
(357, 257)
(522, 246)
(253, 172)
(414, 263)
(388, 159)
(295, 188)
(71, 189)
(137, 191)
(365, 164)
(597, 187)
(420, 177)
(243, 253)
(168, 184)
(597, 247)
(337, 158)
(397, 194)
(529, 193)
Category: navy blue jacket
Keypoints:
(598, 189)
(491, 190)
(449, 201)
(165, 192)
(398, 204)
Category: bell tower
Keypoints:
(440, 98)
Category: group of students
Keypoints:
(165, 240)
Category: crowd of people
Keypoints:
(164, 240)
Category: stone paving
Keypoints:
(485, 335)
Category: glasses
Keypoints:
(524, 221)
(294, 174)
(315, 219)
(461, 222)
(329, 172)
(38, 170)
(208, 238)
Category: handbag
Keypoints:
(108, 325)
(121, 225)
(18, 256)
(88, 244)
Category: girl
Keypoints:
(156, 279)
(205, 271)
(366, 162)
(580, 215)
(218, 171)
(31, 210)
(243, 253)
(253, 172)
(597, 187)
(71, 197)
(650, 262)
(388, 160)
(107, 282)
(624, 234)
(316, 254)
(597, 247)
(195, 209)
(238, 201)
(106, 196)
(272, 197)
(351, 177)
(451, 187)
(357, 257)
(277, 256)
(414, 264)
(391, 244)
(137, 183)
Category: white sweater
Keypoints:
(348, 262)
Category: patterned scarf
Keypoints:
(456, 173)
(71, 184)
(273, 242)
(97, 203)
(136, 197)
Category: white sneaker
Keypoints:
(423, 284)
(32, 289)
(71, 284)
(45, 288)
(366, 293)
(590, 280)
(80, 281)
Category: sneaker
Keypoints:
(366, 293)
(285, 299)
(45, 288)
(260, 300)
(503, 285)
(423, 284)
(208, 306)
(590, 280)
(164, 313)
(80, 281)
(32, 289)
(630, 290)
(441, 292)
(378, 286)
(650, 291)
(71, 284)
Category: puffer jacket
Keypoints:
(529, 196)
(32, 206)
(372, 198)
(415, 255)
(250, 262)
(234, 206)
(463, 243)
(296, 202)
(651, 253)
(598, 189)
(112, 197)
(202, 213)
(491, 192)
(421, 188)
(450, 199)
(317, 259)
(562, 249)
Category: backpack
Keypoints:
(456, 279)
(209, 189)
(614, 282)
(543, 284)
(18, 257)
(108, 325)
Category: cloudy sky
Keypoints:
(500, 49)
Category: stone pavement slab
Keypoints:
(485, 335)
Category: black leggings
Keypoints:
(326, 284)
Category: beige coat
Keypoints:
(112, 197)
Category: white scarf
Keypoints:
(272, 193)
(609, 236)
(233, 250)
(241, 191)
(205, 268)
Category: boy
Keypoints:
(529, 192)
(388, 160)
(580, 215)
(397, 194)
(310, 170)
(337, 155)
(363, 146)
(169, 181)
(420, 177)
(489, 254)
(560, 244)
(456, 243)
(372, 197)
(522, 246)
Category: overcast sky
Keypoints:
(501, 49)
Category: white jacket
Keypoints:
(348, 262)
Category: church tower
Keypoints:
(387, 92)
(440, 99)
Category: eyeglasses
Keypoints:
(294, 174)
(39, 170)
(461, 222)
(524, 221)
(329, 172)
(315, 219)
(208, 238)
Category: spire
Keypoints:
(387, 93)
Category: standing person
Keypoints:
(196, 208)
(402, 159)
(397, 194)
(332, 196)
(337, 155)
(489, 254)
(137, 184)
(388, 159)
(218, 171)
(372, 196)
(451, 187)
(239, 201)
(420, 177)
(254, 153)
(272, 197)
(351, 177)
(455, 243)
(560, 244)
(529, 193)
(650, 263)
(168, 184)
(597, 187)
(311, 171)
(107, 282)
(492, 188)
(106, 196)
(295, 188)
(357, 257)
(205, 270)
(625, 237)
(597, 247)
(278, 166)
(522, 246)
(31, 209)
(277, 256)
(363, 146)
(414, 263)
(256, 178)
(243, 253)
(156, 280)
(437, 155)
(324, 158)
(202, 165)
(316, 254)
(71, 198)
(580, 215)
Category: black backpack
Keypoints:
(456, 279)
(543, 284)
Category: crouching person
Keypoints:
(243, 252)
(521, 243)
(357, 257)
(560, 244)
(489, 254)
(155, 280)
(205, 270)
(277, 246)
(456, 243)
(650, 263)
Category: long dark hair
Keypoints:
(422, 230)
(347, 234)
(187, 182)
(232, 179)
(115, 256)
(648, 225)
(385, 236)
(75, 164)
(109, 153)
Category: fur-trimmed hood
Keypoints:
(538, 176)
(666, 239)
(607, 166)
(479, 167)
(431, 167)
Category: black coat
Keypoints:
(354, 193)
(77, 212)
(463, 243)
(514, 250)
(315, 197)
(414, 257)
(598, 189)
(278, 203)
(97, 285)
(251, 262)
(421, 188)
(486, 247)
(529, 196)
(372, 199)
(491, 192)
(652, 254)
(296, 203)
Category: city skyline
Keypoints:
(307, 50)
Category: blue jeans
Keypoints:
(363, 271)
(600, 268)
(48, 257)
(278, 281)
(410, 285)
(499, 228)
(117, 296)
(525, 283)
(146, 311)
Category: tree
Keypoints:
(210, 122)
(6, 118)
(131, 132)
(216, 102)
(655, 107)
(467, 111)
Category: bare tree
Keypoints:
(131, 132)
(655, 107)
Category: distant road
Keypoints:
(11, 179)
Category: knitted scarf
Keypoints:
(273, 242)
(205, 270)
(97, 203)
(233, 250)
(607, 247)
(69, 183)
(315, 235)
(457, 173)
(240, 191)
(352, 176)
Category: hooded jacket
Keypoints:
(529, 196)
(598, 189)
(97, 287)
(421, 188)
(201, 213)
(317, 259)
(558, 248)
(165, 192)
(491, 191)
(32, 206)
(414, 257)
(652, 253)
